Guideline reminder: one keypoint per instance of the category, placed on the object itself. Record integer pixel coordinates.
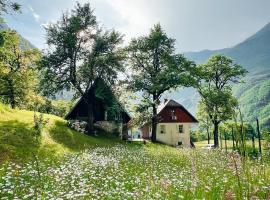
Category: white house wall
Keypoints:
(172, 135)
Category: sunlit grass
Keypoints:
(17, 141)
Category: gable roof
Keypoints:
(173, 103)
(91, 91)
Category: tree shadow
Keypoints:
(77, 141)
(17, 140)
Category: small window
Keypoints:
(181, 128)
(174, 118)
(162, 129)
(173, 115)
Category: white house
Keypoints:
(174, 124)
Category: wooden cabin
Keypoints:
(106, 107)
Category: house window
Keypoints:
(181, 128)
(173, 115)
(162, 129)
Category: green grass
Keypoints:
(17, 141)
(105, 168)
(201, 144)
(130, 171)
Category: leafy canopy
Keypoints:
(156, 67)
(79, 52)
(17, 69)
(214, 81)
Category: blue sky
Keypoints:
(195, 24)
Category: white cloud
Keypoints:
(35, 15)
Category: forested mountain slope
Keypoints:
(254, 94)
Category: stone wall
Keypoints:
(110, 127)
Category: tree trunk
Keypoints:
(11, 94)
(154, 120)
(90, 114)
(216, 145)
(220, 140)
(259, 136)
(208, 135)
(154, 124)
(253, 140)
(225, 137)
(233, 139)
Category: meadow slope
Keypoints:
(18, 142)
(65, 164)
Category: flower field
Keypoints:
(137, 172)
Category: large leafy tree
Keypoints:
(156, 68)
(17, 69)
(214, 81)
(79, 52)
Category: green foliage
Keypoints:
(7, 6)
(254, 101)
(17, 66)
(112, 106)
(266, 135)
(157, 68)
(79, 52)
(213, 82)
(35, 102)
(39, 123)
(196, 136)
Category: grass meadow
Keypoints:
(65, 164)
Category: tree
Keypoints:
(17, 69)
(205, 121)
(79, 52)
(6, 6)
(213, 82)
(156, 68)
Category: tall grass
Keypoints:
(138, 172)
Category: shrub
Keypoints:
(39, 123)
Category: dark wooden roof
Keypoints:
(79, 111)
(171, 103)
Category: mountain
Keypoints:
(254, 95)
(253, 53)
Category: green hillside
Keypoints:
(254, 97)
(17, 141)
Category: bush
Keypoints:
(251, 152)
